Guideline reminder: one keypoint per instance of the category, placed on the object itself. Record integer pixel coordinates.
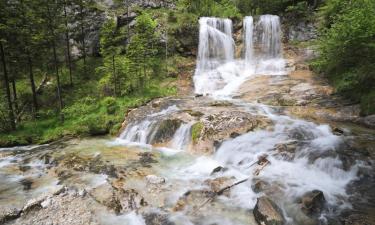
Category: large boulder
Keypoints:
(266, 212)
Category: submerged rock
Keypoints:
(156, 218)
(266, 212)
(313, 203)
(153, 179)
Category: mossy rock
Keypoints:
(196, 131)
(166, 130)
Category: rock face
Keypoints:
(266, 212)
(313, 203)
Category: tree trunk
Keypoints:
(58, 81)
(15, 99)
(32, 83)
(7, 88)
(68, 46)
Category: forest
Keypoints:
(73, 67)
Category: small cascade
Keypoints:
(182, 137)
(269, 29)
(248, 37)
(139, 132)
(143, 132)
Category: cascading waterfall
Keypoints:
(249, 45)
(216, 48)
(218, 73)
(216, 44)
(270, 35)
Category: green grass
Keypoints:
(87, 117)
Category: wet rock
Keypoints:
(146, 158)
(286, 150)
(130, 200)
(219, 183)
(313, 203)
(26, 183)
(105, 195)
(359, 219)
(9, 214)
(24, 168)
(337, 131)
(157, 219)
(192, 199)
(259, 186)
(221, 104)
(234, 135)
(166, 130)
(218, 170)
(153, 179)
(266, 212)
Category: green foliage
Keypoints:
(196, 130)
(347, 47)
(218, 8)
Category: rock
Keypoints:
(130, 200)
(266, 212)
(218, 183)
(218, 169)
(157, 219)
(337, 131)
(313, 203)
(46, 203)
(26, 183)
(198, 95)
(369, 121)
(153, 179)
(105, 195)
(146, 158)
(193, 199)
(259, 186)
(359, 219)
(166, 130)
(34, 203)
(9, 214)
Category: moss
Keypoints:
(196, 130)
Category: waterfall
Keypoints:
(270, 31)
(216, 48)
(216, 44)
(248, 37)
(182, 137)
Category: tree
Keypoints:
(112, 41)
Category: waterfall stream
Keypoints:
(312, 164)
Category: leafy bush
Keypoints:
(347, 48)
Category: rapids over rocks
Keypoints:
(177, 159)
